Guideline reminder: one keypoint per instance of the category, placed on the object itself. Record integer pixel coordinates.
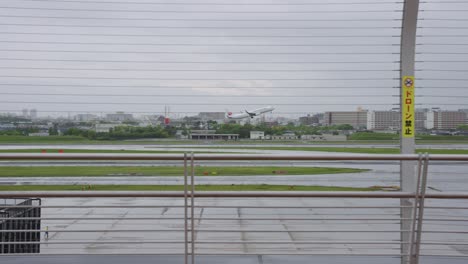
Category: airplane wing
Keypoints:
(251, 114)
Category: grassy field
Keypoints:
(123, 151)
(395, 137)
(261, 187)
(44, 171)
(373, 136)
(442, 138)
(205, 151)
(42, 140)
(357, 138)
(51, 140)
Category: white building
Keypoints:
(105, 128)
(285, 136)
(39, 134)
(257, 135)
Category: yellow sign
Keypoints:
(408, 115)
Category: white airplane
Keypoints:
(250, 114)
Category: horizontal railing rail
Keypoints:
(226, 194)
(222, 157)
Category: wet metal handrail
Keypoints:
(222, 157)
(227, 194)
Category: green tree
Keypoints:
(344, 127)
(53, 131)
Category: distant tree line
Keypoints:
(19, 131)
(124, 132)
(134, 132)
(131, 132)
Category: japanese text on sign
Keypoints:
(407, 126)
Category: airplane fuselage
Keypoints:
(250, 114)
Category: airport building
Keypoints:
(288, 135)
(257, 135)
(357, 119)
(211, 135)
(10, 219)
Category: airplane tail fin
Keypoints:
(227, 114)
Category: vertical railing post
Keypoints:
(414, 218)
(185, 211)
(192, 207)
(421, 208)
(407, 141)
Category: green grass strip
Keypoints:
(123, 151)
(260, 187)
(369, 138)
(35, 139)
(51, 171)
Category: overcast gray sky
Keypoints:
(300, 56)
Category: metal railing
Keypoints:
(192, 222)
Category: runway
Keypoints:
(234, 218)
